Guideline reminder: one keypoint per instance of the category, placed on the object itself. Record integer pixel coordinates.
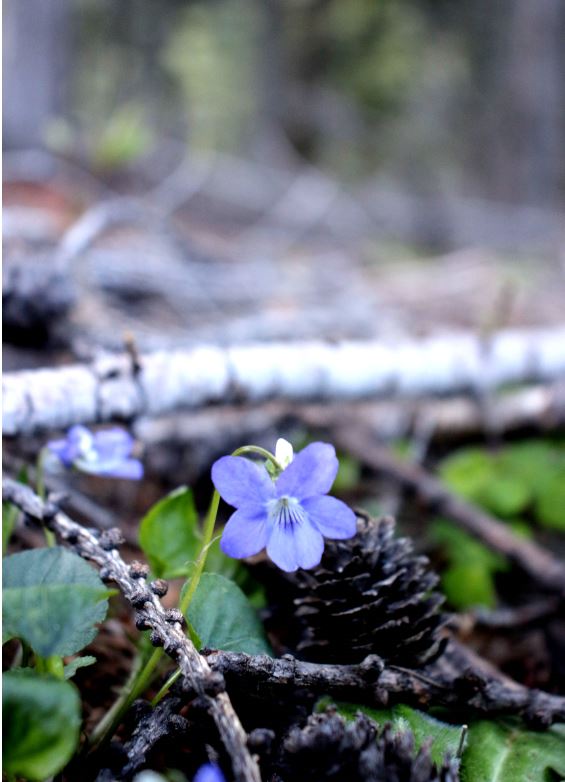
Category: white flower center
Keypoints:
(86, 449)
(286, 511)
(284, 452)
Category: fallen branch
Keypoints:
(540, 408)
(163, 382)
(539, 564)
(458, 679)
(165, 626)
(163, 723)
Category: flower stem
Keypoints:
(261, 452)
(166, 687)
(208, 531)
(40, 487)
(106, 728)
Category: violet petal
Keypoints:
(242, 482)
(312, 472)
(332, 517)
(295, 545)
(246, 532)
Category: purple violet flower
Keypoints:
(209, 773)
(290, 515)
(106, 452)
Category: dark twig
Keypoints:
(538, 563)
(166, 630)
(457, 679)
(163, 723)
(510, 618)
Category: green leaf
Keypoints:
(234, 570)
(41, 724)
(469, 584)
(170, 536)
(445, 738)
(9, 518)
(550, 505)
(223, 618)
(52, 599)
(505, 495)
(468, 580)
(80, 662)
(505, 752)
(462, 548)
(467, 471)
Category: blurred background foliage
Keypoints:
(439, 96)
(522, 483)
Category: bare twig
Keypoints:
(165, 626)
(510, 618)
(163, 723)
(458, 679)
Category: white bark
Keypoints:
(112, 389)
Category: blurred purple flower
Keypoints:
(107, 452)
(209, 773)
(291, 515)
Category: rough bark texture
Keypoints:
(458, 679)
(166, 631)
(116, 388)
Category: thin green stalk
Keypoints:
(52, 665)
(208, 532)
(166, 687)
(108, 724)
(260, 451)
(40, 487)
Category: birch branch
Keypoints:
(458, 679)
(115, 388)
(539, 564)
(165, 626)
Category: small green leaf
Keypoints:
(445, 738)
(550, 505)
(469, 584)
(223, 618)
(80, 662)
(234, 570)
(170, 536)
(9, 517)
(462, 548)
(52, 599)
(41, 724)
(467, 471)
(468, 579)
(505, 495)
(505, 752)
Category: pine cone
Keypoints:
(369, 595)
(328, 748)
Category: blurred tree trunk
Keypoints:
(36, 66)
(522, 94)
